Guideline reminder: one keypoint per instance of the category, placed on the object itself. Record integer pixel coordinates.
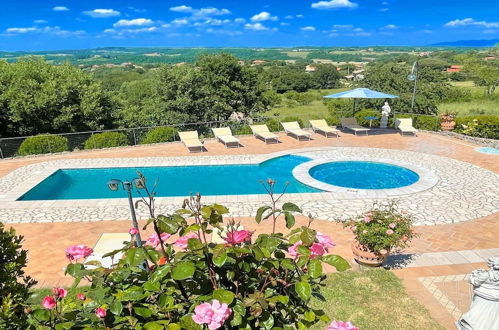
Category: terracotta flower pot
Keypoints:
(448, 125)
(364, 256)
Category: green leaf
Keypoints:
(220, 258)
(309, 316)
(116, 307)
(173, 326)
(267, 320)
(307, 236)
(194, 244)
(148, 223)
(65, 325)
(112, 253)
(183, 270)
(155, 325)
(133, 293)
(206, 212)
(41, 314)
(152, 286)
(290, 220)
(303, 290)
(290, 207)
(223, 296)
(220, 209)
(143, 311)
(74, 270)
(337, 262)
(187, 323)
(315, 268)
(257, 252)
(259, 213)
(167, 224)
(192, 228)
(135, 256)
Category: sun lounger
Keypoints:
(293, 128)
(320, 125)
(262, 132)
(405, 126)
(351, 124)
(191, 140)
(224, 135)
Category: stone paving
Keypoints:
(450, 191)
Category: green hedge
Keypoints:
(362, 114)
(43, 144)
(106, 140)
(333, 121)
(274, 125)
(159, 134)
(483, 126)
(292, 118)
(242, 130)
(424, 122)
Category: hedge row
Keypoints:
(483, 126)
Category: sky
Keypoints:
(72, 24)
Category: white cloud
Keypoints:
(264, 16)
(182, 9)
(137, 10)
(54, 30)
(200, 12)
(21, 30)
(255, 27)
(180, 21)
(308, 28)
(289, 17)
(60, 8)
(383, 9)
(284, 24)
(358, 30)
(390, 27)
(123, 32)
(343, 26)
(239, 20)
(102, 13)
(299, 16)
(471, 22)
(40, 21)
(134, 22)
(334, 4)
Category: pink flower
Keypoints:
(59, 292)
(325, 241)
(293, 249)
(80, 296)
(317, 249)
(405, 238)
(392, 225)
(340, 325)
(390, 232)
(367, 219)
(100, 312)
(182, 241)
(383, 251)
(154, 241)
(214, 314)
(76, 252)
(238, 236)
(48, 302)
(133, 231)
(354, 228)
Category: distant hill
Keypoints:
(469, 43)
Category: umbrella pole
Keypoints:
(353, 110)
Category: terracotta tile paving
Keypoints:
(46, 241)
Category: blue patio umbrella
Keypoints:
(360, 93)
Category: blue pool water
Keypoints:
(173, 181)
(363, 175)
(488, 150)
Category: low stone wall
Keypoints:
(481, 141)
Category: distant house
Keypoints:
(310, 68)
(490, 58)
(259, 62)
(455, 68)
(240, 62)
(180, 63)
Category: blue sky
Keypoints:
(71, 24)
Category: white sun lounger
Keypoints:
(320, 125)
(262, 132)
(224, 135)
(191, 141)
(405, 126)
(351, 124)
(293, 128)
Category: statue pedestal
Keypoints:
(384, 121)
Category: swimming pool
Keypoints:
(363, 175)
(90, 183)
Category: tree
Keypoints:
(326, 76)
(484, 73)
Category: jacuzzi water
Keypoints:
(173, 181)
(488, 150)
(364, 175)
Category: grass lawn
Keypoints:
(474, 107)
(371, 299)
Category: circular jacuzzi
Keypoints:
(363, 175)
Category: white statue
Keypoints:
(484, 310)
(385, 113)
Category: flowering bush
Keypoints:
(245, 282)
(383, 228)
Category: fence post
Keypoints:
(1, 153)
(134, 137)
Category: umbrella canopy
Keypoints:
(361, 93)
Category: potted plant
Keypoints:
(378, 232)
(447, 122)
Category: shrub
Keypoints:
(291, 118)
(362, 114)
(43, 144)
(333, 121)
(106, 140)
(159, 134)
(14, 285)
(274, 125)
(242, 130)
(248, 282)
(483, 126)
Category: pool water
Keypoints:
(173, 181)
(488, 150)
(363, 175)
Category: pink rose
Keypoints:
(76, 252)
(367, 219)
(325, 241)
(214, 314)
(100, 312)
(133, 231)
(392, 225)
(80, 296)
(293, 249)
(317, 249)
(154, 241)
(340, 325)
(181, 243)
(48, 302)
(59, 292)
(238, 236)
(390, 232)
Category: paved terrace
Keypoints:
(437, 262)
